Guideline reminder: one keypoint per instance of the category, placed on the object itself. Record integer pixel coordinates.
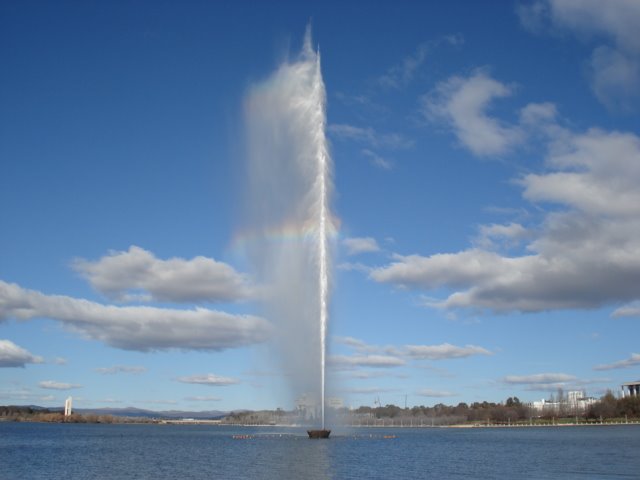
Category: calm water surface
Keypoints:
(73, 451)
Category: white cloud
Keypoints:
(630, 310)
(373, 141)
(203, 398)
(377, 160)
(596, 172)
(546, 382)
(462, 104)
(535, 114)
(376, 356)
(533, 16)
(52, 385)
(615, 78)
(490, 236)
(11, 355)
(363, 101)
(138, 273)
(361, 346)
(18, 394)
(351, 132)
(136, 327)
(158, 402)
(456, 269)
(355, 343)
(444, 351)
(427, 392)
(351, 267)
(121, 369)
(617, 19)
(356, 245)
(585, 254)
(539, 378)
(376, 361)
(367, 374)
(368, 390)
(632, 361)
(512, 230)
(529, 283)
(615, 68)
(60, 361)
(369, 136)
(401, 74)
(209, 379)
(24, 396)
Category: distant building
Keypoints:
(543, 406)
(68, 406)
(575, 402)
(307, 407)
(632, 389)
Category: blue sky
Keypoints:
(486, 168)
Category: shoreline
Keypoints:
(219, 423)
(456, 426)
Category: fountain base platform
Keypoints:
(319, 433)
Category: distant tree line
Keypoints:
(30, 414)
(512, 410)
(611, 407)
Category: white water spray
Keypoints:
(323, 173)
(289, 206)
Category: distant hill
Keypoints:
(39, 408)
(139, 412)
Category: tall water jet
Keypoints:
(290, 185)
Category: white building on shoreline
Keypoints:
(575, 402)
(68, 406)
(631, 389)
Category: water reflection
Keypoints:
(309, 459)
(115, 452)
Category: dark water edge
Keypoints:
(85, 451)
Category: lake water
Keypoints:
(30, 451)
